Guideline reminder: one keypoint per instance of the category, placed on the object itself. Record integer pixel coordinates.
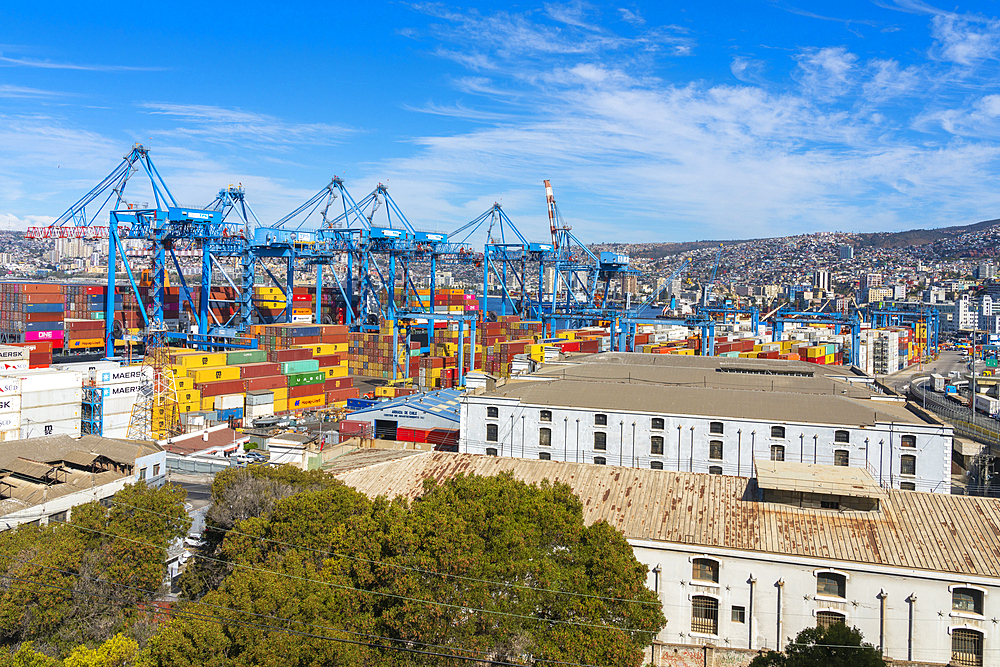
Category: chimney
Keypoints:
(204, 436)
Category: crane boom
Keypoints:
(550, 201)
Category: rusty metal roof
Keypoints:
(924, 531)
(28, 468)
(816, 478)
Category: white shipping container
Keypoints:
(49, 413)
(70, 427)
(123, 375)
(117, 406)
(46, 379)
(37, 399)
(11, 420)
(13, 354)
(84, 367)
(229, 401)
(10, 386)
(10, 404)
(115, 433)
(13, 365)
(115, 421)
(13, 434)
(265, 410)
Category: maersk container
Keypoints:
(121, 375)
(13, 353)
(119, 404)
(112, 422)
(301, 366)
(10, 404)
(38, 429)
(38, 399)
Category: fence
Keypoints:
(195, 466)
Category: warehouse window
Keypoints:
(831, 584)
(967, 600)
(705, 569)
(544, 456)
(739, 615)
(715, 428)
(715, 450)
(600, 420)
(715, 470)
(841, 457)
(908, 441)
(142, 473)
(777, 452)
(907, 486)
(908, 464)
(492, 433)
(544, 437)
(545, 416)
(656, 445)
(966, 648)
(824, 619)
(657, 423)
(156, 470)
(491, 451)
(656, 465)
(704, 615)
(842, 436)
(778, 432)
(492, 412)
(600, 460)
(600, 441)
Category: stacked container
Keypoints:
(117, 389)
(50, 401)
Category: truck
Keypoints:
(987, 405)
(939, 381)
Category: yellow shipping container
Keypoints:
(307, 402)
(815, 351)
(829, 359)
(208, 403)
(188, 395)
(268, 291)
(183, 383)
(320, 350)
(302, 311)
(202, 360)
(215, 373)
(280, 394)
(189, 407)
(280, 405)
(336, 371)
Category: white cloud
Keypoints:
(748, 70)
(965, 40)
(826, 73)
(11, 221)
(631, 16)
(10, 91)
(48, 64)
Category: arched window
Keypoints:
(704, 615)
(656, 445)
(716, 428)
(601, 441)
(825, 619)
(491, 451)
(908, 441)
(967, 600)
(715, 450)
(715, 470)
(492, 433)
(966, 648)
(657, 423)
(778, 432)
(545, 416)
(600, 420)
(907, 464)
(705, 569)
(842, 436)
(656, 465)
(831, 584)
(841, 457)
(544, 456)
(492, 412)
(600, 460)
(777, 452)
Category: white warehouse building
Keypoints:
(708, 415)
(742, 565)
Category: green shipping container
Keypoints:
(300, 379)
(301, 366)
(245, 357)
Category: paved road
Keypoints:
(946, 362)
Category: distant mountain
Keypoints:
(915, 237)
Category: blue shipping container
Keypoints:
(43, 308)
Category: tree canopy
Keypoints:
(485, 567)
(833, 646)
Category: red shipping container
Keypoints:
(305, 390)
(406, 435)
(338, 383)
(302, 297)
(295, 354)
(350, 428)
(42, 317)
(219, 388)
(259, 369)
(41, 288)
(328, 360)
(342, 394)
(268, 382)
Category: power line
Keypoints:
(406, 567)
(267, 616)
(446, 605)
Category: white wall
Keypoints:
(932, 621)
(686, 441)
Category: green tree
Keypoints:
(333, 560)
(27, 656)
(834, 646)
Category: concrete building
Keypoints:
(821, 280)
(870, 280)
(709, 415)
(43, 479)
(846, 252)
(425, 411)
(984, 271)
(742, 565)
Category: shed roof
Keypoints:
(790, 406)
(816, 478)
(914, 530)
(443, 403)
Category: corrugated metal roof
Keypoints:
(925, 531)
(443, 403)
(762, 405)
(28, 468)
(815, 478)
(82, 459)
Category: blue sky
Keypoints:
(654, 121)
